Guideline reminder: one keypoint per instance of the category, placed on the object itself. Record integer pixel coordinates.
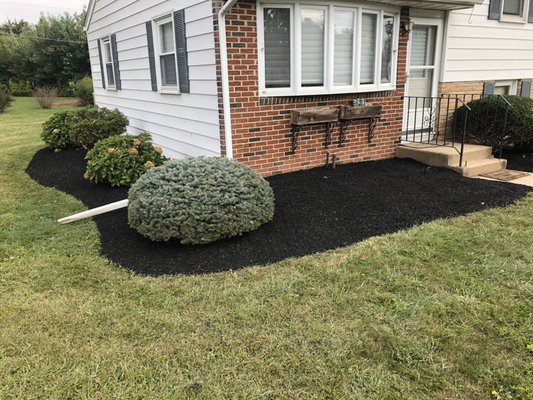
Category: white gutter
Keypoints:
(226, 102)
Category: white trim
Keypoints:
(89, 15)
(329, 87)
(156, 23)
(517, 19)
(511, 84)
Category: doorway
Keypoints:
(423, 72)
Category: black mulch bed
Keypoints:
(519, 160)
(316, 210)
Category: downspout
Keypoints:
(226, 102)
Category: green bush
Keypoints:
(82, 127)
(88, 125)
(83, 89)
(23, 88)
(485, 123)
(199, 200)
(121, 160)
(5, 100)
(56, 130)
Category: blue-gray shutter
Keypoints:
(530, 16)
(116, 68)
(488, 88)
(151, 54)
(495, 9)
(101, 62)
(526, 89)
(181, 51)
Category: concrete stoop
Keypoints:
(476, 159)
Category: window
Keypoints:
(319, 49)
(513, 7)
(313, 32)
(520, 11)
(277, 27)
(166, 54)
(505, 88)
(344, 48)
(108, 62)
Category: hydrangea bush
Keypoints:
(199, 200)
(82, 127)
(121, 160)
(56, 130)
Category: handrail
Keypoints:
(504, 99)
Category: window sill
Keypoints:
(111, 89)
(169, 91)
(513, 19)
(324, 92)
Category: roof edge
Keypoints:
(88, 16)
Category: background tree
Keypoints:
(51, 52)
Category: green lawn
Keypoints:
(442, 311)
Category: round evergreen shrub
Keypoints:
(199, 200)
(486, 121)
(91, 124)
(56, 130)
(121, 160)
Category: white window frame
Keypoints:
(512, 85)
(106, 41)
(156, 23)
(295, 88)
(520, 19)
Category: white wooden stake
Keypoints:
(95, 211)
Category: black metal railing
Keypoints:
(449, 121)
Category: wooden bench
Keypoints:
(313, 116)
(348, 114)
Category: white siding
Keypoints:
(481, 49)
(186, 124)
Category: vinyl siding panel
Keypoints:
(184, 124)
(481, 49)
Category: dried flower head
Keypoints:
(158, 149)
(55, 131)
(133, 151)
(110, 150)
(148, 164)
(136, 142)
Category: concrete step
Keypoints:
(476, 159)
(478, 167)
(441, 156)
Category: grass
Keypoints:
(442, 311)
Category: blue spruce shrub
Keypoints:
(199, 200)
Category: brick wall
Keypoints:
(471, 88)
(261, 126)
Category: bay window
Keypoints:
(324, 48)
